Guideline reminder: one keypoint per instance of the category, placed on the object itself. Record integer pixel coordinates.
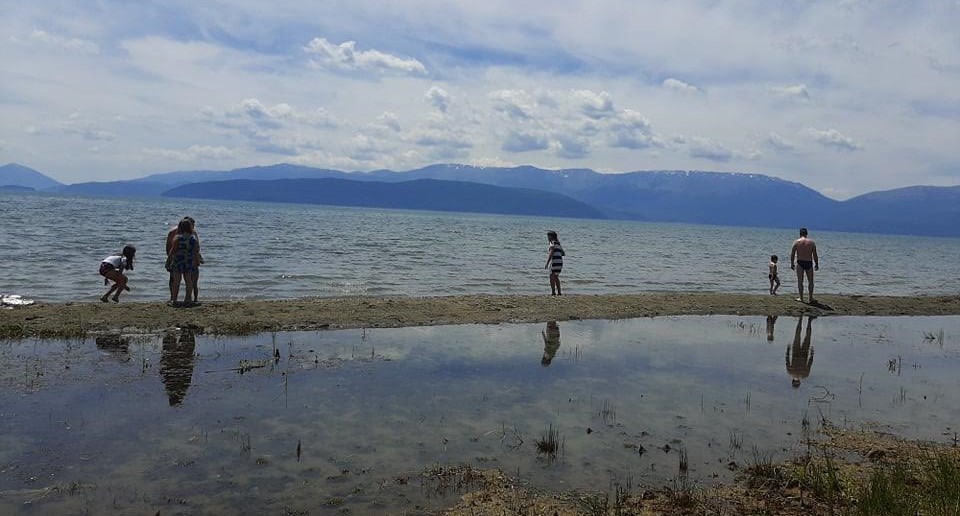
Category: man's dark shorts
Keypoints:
(806, 265)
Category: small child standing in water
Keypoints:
(772, 276)
(554, 262)
(112, 267)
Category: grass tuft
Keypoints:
(550, 443)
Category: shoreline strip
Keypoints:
(241, 317)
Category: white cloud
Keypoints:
(594, 105)
(708, 149)
(75, 125)
(363, 148)
(779, 143)
(571, 146)
(680, 86)
(560, 87)
(796, 92)
(835, 139)
(516, 104)
(390, 121)
(42, 37)
(345, 56)
(193, 153)
(251, 112)
(632, 130)
(521, 141)
(438, 98)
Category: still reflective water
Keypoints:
(284, 423)
(51, 247)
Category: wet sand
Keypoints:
(252, 316)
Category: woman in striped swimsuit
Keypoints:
(554, 263)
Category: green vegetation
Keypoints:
(928, 484)
(550, 443)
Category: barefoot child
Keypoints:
(554, 263)
(774, 278)
(112, 267)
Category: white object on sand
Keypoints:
(12, 300)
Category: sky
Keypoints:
(844, 96)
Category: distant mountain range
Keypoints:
(13, 174)
(419, 194)
(661, 196)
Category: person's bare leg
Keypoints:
(121, 284)
(188, 283)
(800, 283)
(810, 284)
(553, 284)
(559, 292)
(195, 275)
(106, 297)
(174, 286)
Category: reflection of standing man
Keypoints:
(176, 364)
(551, 342)
(771, 321)
(799, 364)
(805, 251)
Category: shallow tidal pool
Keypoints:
(345, 421)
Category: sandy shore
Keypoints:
(251, 316)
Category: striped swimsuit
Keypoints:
(556, 258)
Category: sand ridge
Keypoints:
(235, 317)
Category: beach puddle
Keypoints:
(348, 421)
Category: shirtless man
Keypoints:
(196, 274)
(804, 259)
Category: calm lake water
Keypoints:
(195, 425)
(51, 247)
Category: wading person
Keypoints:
(112, 267)
(183, 256)
(171, 236)
(773, 276)
(554, 262)
(804, 251)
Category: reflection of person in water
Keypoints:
(771, 322)
(800, 357)
(176, 364)
(551, 342)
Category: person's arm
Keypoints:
(196, 250)
(549, 257)
(170, 237)
(816, 259)
(793, 255)
(199, 256)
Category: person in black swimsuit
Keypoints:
(804, 254)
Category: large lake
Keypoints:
(51, 246)
(190, 424)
